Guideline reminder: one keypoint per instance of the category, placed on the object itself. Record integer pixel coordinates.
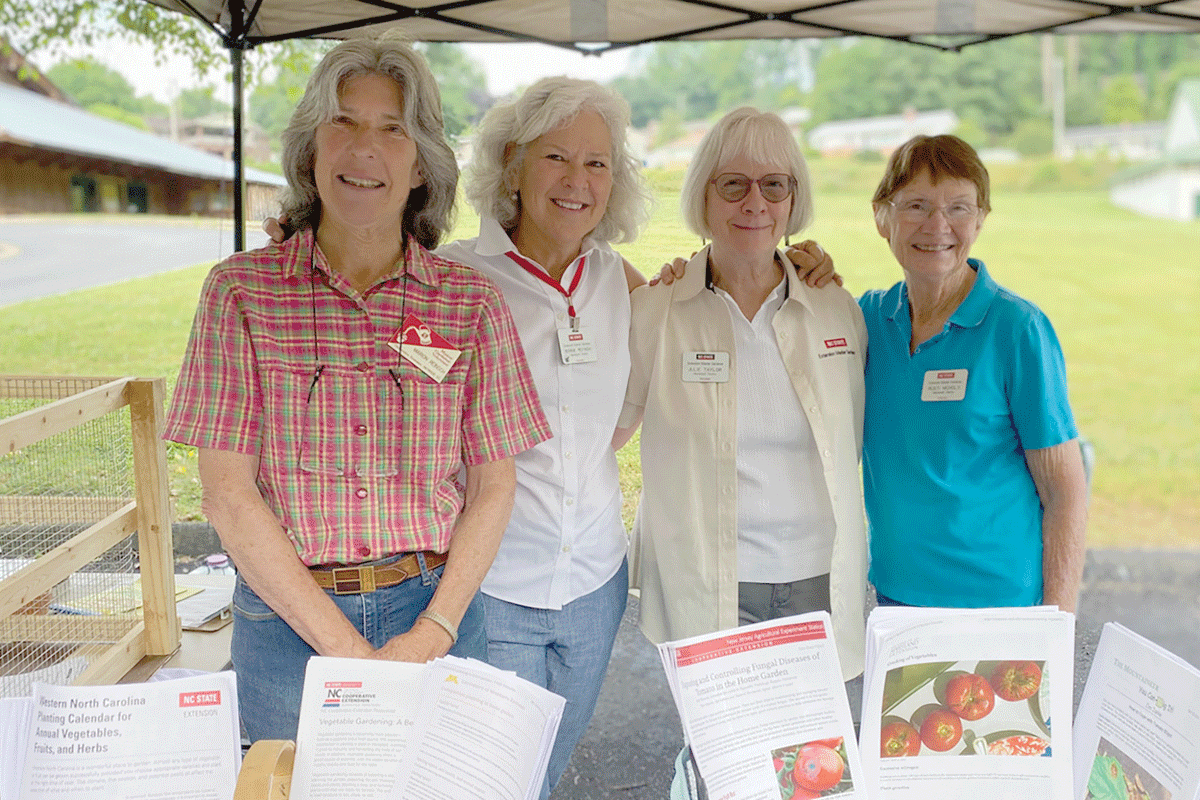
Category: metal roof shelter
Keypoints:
(31, 120)
(594, 26)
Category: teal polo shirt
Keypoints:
(955, 519)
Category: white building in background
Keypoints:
(879, 134)
(1133, 141)
(1170, 186)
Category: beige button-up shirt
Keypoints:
(685, 559)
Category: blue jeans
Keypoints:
(269, 657)
(565, 651)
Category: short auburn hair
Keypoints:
(944, 156)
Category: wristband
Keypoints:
(441, 622)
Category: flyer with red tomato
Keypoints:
(968, 703)
(765, 713)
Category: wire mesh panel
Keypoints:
(54, 493)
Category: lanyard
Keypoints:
(544, 277)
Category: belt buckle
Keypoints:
(353, 580)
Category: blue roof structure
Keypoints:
(29, 119)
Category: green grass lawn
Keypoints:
(1121, 290)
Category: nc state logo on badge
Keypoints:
(421, 346)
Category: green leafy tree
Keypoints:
(1124, 100)
(119, 115)
(463, 85)
(91, 84)
(200, 102)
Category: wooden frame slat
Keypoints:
(36, 424)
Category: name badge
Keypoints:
(944, 384)
(424, 348)
(705, 367)
(576, 346)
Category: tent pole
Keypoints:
(239, 183)
(236, 44)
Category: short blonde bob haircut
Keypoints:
(944, 156)
(507, 130)
(757, 135)
(428, 214)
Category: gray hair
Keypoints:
(507, 130)
(758, 135)
(428, 214)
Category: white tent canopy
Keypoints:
(599, 25)
(592, 25)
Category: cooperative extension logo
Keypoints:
(339, 694)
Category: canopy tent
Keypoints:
(594, 26)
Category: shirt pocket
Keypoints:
(430, 429)
(344, 424)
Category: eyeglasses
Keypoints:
(733, 186)
(920, 210)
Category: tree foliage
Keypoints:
(92, 84)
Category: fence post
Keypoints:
(155, 547)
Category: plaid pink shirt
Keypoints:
(364, 462)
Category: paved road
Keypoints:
(42, 256)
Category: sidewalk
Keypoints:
(634, 737)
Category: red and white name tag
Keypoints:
(421, 346)
(705, 367)
(576, 346)
(944, 384)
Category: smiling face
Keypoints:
(753, 225)
(935, 248)
(365, 162)
(564, 181)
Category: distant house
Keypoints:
(878, 134)
(1134, 141)
(55, 158)
(1170, 186)
(214, 134)
(677, 153)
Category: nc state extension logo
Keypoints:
(832, 343)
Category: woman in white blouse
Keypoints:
(751, 387)
(554, 184)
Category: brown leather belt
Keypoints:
(366, 578)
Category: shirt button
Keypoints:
(570, 501)
(567, 454)
(827, 454)
(362, 366)
(360, 493)
(363, 550)
(813, 409)
(566, 548)
(566, 409)
(360, 430)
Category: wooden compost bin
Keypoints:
(111, 645)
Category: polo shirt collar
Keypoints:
(301, 249)
(974, 307)
(970, 312)
(494, 240)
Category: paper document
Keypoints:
(152, 741)
(764, 709)
(1137, 732)
(968, 703)
(452, 729)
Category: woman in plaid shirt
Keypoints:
(335, 383)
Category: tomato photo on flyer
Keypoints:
(970, 708)
(813, 769)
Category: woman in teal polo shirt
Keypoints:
(973, 480)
